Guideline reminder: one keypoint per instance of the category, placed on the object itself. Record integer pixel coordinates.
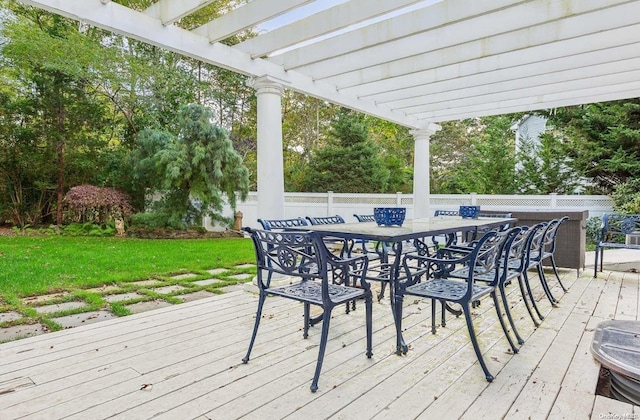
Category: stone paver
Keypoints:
(233, 288)
(9, 316)
(21, 331)
(47, 309)
(104, 289)
(168, 289)
(122, 296)
(243, 276)
(152, 282)
(245, 266)
(43, 298)
(207, 282)
(136, 308)
(184, 276)
(84, 318)
(190, 297)
(217, 271)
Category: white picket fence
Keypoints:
(330, 203)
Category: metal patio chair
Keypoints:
(425, 278)
(321, 279)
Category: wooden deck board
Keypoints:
(184, 362)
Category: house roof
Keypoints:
(412, 62)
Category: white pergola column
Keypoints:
(421, 172)
(270, 158)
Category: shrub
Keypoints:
(626, 197)
(91, 204)
(150, 220)
(89, 229)
(593, 225)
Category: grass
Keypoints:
(37, 265)
(86, 269)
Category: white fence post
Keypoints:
(474, 199)
(398, 199)
(554, 200)
(329, 203)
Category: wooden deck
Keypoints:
(184, 362)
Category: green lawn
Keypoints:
(87, 270)
(36, 265)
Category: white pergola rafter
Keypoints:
(245, 17)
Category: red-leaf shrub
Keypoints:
(88, 203)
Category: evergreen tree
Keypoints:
(350, 163)
(195, 169)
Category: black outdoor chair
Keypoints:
(365, 217)
(543, 247)
(321, 279)
(342, 246)
(500, 275)
(534, 260)
(518, 266)
(549, 248)
(426, 278)
(282, 224)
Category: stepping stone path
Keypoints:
(57, 307)
(168, 289)
(139, 307)
(122, 296)
(84, 318)
(207, 282)
(45, 305)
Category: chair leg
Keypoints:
(326, 318)
(555, 271)
(545, 285)
(505, 302)
(526, 301)
(595, 267)
(533, 300)
(368, 303)
(261, 300)
(383, 285)
(433, 316)
(496, 303)
(474, 341)
(443, 321)
(307, 321)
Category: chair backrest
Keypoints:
(519, 249)
(364, 217)
(446, 213)
(496, 257)
(326, 220)
(536, 244)
(270, 224)
(282, 252)
(483, 259)
(551, 234)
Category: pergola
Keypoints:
(413, 62)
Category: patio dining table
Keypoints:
(395, 236)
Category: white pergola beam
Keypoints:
(394, 30)
(556, 19)
(122, 20)
(554, 81)
(336, 18)
(560, 90)
(594, 95)
(170, 11)
(246, 16)
(521, 64)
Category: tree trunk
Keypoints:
(60, 186)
